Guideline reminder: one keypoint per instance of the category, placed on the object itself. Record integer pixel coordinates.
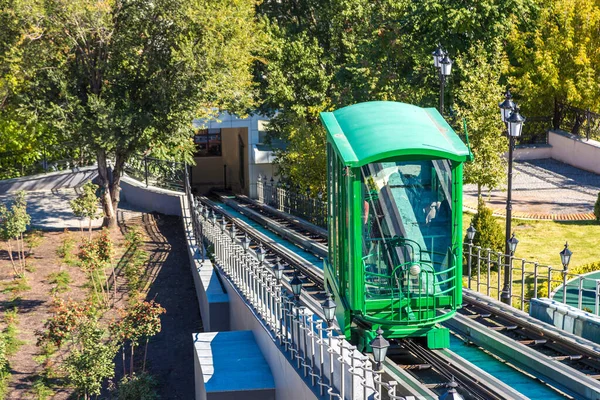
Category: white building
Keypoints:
(231, 153)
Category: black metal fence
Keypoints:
(535, 130)
(47, 159)
(292, 200)
(578, 121)
(160, 173)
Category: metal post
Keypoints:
(469, 263)
(506, 291)
(564, 297)
(597, 306)
(146, 169)
(580, 293)
(442, 82)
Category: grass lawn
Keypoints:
(542, 240)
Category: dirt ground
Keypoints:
(168, 280)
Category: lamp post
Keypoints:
(329, 307)
(380, 347)
(471, 231)
(296, 285)
(565, 258)
(444, 65)
(514, 122)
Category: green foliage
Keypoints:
(86, 204)
(555, 58)
(135, 260)
(489, 232)
(66, 249)
(138, 387)
(477, 103)
(40, 390)
(68, 316)
(16, 286)
(597, 208)
(91, 360)
(13, 223)
(33, 238)
(10, 334)
(61, 280)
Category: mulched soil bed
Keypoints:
(168, 281)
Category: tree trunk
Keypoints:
(12, 260)
(110, 215)
(115, 187)
(90, 228)
(23, 251)
(145, 354)
(478, 192)
(131, 360)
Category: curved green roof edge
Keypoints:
(376, 130)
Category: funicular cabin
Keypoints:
(395, 220)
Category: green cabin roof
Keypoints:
(375, 130)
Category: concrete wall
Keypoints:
(567, 318)
(532, 152)
(289, 384)
(150, 198)
(50, 181)
(575, 151)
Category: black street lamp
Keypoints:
(565, 256)
(380, 347)
(514, 125)
(246, 244)
(296, 285)
(471, 231)
(565, 259)
(223, 224)
(329, 307)
(444, 65)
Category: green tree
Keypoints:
(91, 360)
(488, 231)
(13, 224)
(597, 208)
(555, 57)
(477, 103)
(125, 77)
(86, 205)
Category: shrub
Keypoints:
(597, 208)
(33, 239)
(138, 387)
(489, 232)
(65, 250)
(61, 279)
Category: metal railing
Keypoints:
(578, 121)
(331, 364)
(160, 173)
(47, 159)
(485, 271)
(535, 131)
(292, 200)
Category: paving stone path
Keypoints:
(544, 189)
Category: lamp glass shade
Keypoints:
(515, 123)
(379, 346)
(260, 254)
(223, 225)
(213, 218)
(565, 256)
(245, 243)
(471, 231)
(507, 106)
(446, 65)
(329, 307)
(512, 243)
(278, 270)
(232, 231)
(296, 285)
(438, 54)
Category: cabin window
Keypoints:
(407, 217)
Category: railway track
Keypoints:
(423, 365)
(572, 368)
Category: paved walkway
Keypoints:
(51, 210)
(544, 189)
